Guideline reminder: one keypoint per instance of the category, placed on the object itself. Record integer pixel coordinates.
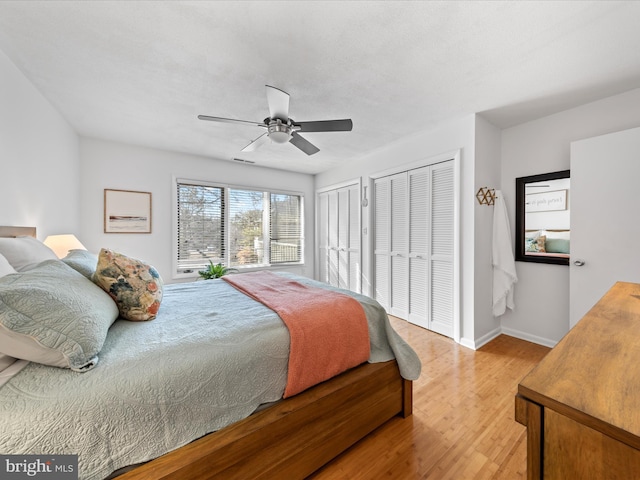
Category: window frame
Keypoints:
(226, 219)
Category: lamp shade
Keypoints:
(61, 244)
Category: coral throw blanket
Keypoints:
(329, 331)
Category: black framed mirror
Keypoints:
(543, 233)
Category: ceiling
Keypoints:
(141, 72)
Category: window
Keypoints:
(239, 227)
(285, 228)
(246, 227)
(200, 226)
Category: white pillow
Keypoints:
(5, 266)
(564, 234)
(24, 253)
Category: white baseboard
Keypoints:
(476, 344)
(468, 343)
(528, 337)
(483, 340)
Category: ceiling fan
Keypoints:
(281, 129)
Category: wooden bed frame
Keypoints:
(292, 438)
(17, 231)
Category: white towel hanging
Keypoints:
(504, 265)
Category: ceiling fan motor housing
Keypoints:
(279, 131)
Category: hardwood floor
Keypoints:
(462, 425)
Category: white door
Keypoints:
(605, 220)
(441, 292)
(399, 305)
(382, 241)
(338, 225)
(414, 245)
(419, 232)
(391, 247)
(333, 239)
(323, 237)
(354, 264)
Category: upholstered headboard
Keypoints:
(17, 231)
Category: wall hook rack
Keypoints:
(486, 196)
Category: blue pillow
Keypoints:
(557, 245)
(53, 315)
(82, 261)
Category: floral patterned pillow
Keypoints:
(135, 286)
(537, 244)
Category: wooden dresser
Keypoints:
(581, 404)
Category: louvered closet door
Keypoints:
(391, 247)
(413, 246)
(323, 237)
(419, 220)
(399, 305)
(353, 245)
(441, 262)
(339, 240)
(333, 239)
(343, 238)
(382, 241)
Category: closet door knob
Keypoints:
(579, 263)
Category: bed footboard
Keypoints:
(294, 437)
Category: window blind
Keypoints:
(246, 241)
(237, 227)
(285, 233)
(200, 226)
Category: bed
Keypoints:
(548, 243)
(262, 436)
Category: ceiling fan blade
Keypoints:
(305, 145)
(278, 103)
(261, 140)
(230, 120)
(326, 126)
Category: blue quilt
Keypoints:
(209, 359)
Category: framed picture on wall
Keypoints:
(546, 201)
(127, 211)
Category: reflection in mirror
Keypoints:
(543, 218)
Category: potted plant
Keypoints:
(215, 271)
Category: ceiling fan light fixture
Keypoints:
(280, 137)
(279, 132)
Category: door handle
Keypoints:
(579, 263)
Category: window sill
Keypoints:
(191, 276)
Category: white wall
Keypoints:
(542, 146)
(487, 174)
(447, 137)
(126, 167)
(39, 159)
